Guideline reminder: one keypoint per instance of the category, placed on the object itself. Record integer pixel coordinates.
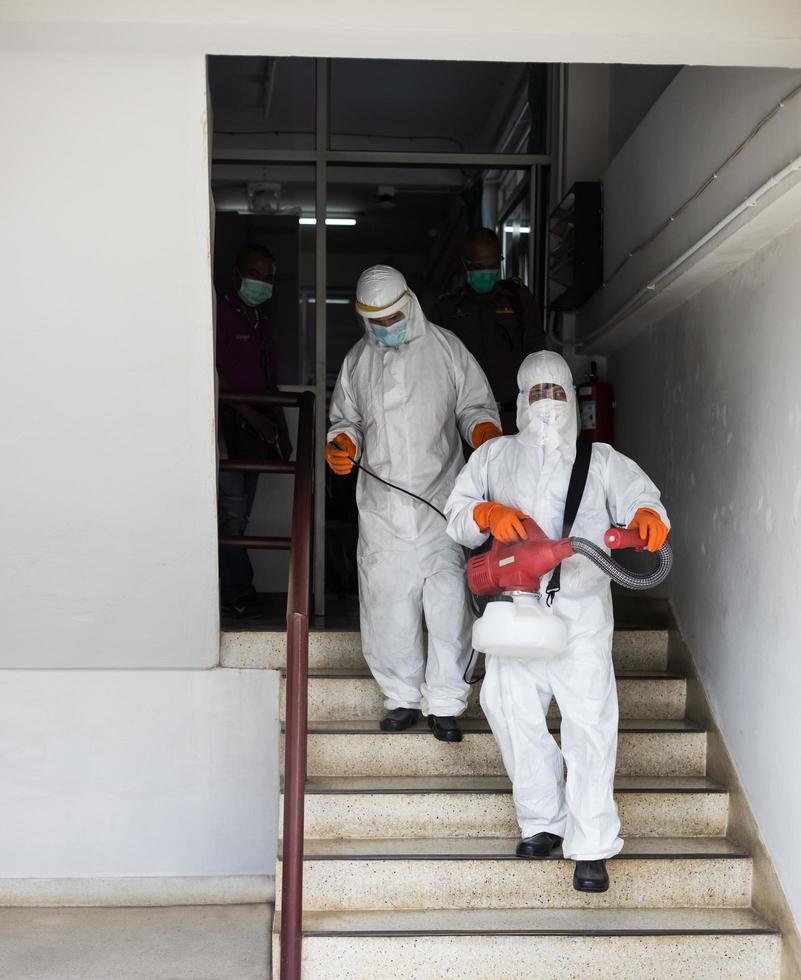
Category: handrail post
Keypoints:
(297, 692)
(299, 595)
(294, 790)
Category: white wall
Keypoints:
(633, 89)
(138, 773)
(700, 118)
(715, 32)
(586, 151)
(708, 403)
(108, 517)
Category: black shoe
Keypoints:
(538, 846)
(445, 728)
(590, 876)
(399, 719)
(246, 608)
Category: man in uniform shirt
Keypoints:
(496, 319)
(246, 362)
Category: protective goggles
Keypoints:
(546, 390)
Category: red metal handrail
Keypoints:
(297, 692)
(297, 661)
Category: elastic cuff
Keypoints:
(392, 703)
(602, 855)
(528, 828)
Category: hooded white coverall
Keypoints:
(531, 471)
(404, 408)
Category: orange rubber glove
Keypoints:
(483, 432)
(340, 453)
(504, 523)
(651, 527)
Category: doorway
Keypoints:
(335, 165)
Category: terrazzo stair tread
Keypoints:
(494, 784)
(484, 873)
(683, 956)
(502, 849)
(640, 648)
(359, 748)
(364, 726)
(447, 808)
(363, 673)
(536, 922)
(621, 944)
(354, 694)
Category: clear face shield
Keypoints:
(552, 392)
(542, 409)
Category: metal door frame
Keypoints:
(322, 157)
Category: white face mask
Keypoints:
(543, 422)
(549, 411)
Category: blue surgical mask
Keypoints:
(391, 336)
(483, 280)
(254, 292)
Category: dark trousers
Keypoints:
(236, 493)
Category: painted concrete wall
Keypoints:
(716, 32)
(108, 515)
(586, 123)
(708, 403)
(138, 773)
(633, 89)
(700, 118)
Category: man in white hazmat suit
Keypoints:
(405, 393)
(528, 475)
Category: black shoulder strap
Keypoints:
(575, 491)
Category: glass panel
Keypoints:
(515, 231)
(409, 217)
(264, 204)
(290, 331)
(263, 103)
(438, 106)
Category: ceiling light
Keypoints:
(343, 222)
(332, 300)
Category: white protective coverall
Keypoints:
(404, 408)
(531, 471)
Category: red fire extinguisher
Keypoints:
(596, 402)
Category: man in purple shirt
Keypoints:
(246, 362)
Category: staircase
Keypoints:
(410, 869)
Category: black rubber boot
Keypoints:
(399, 719)
(590, 876)
(445, 728)
(538, 846)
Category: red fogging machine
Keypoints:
(517, 623)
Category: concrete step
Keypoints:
(634, 649)
(349, 875)
(360, 748)
(354, 694)
(481, 806)
(517, 944)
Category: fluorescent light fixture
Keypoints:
(333, 300)
(523, 230)
(343, 222)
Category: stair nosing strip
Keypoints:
(588, 933)
(554, 856)
(737, 853)
(337, 674)
(315, 728)
(466, 791)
